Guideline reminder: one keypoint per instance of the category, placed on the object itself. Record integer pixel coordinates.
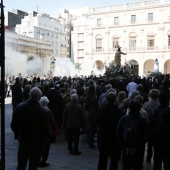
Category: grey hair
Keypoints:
(74, 97)
(35, 93)
(73, 91)
(44, 101)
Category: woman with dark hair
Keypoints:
(91, 107)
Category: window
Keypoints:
(132, 43)
(98, 45)
(116, 20)
(168, 41)
(115, 43)
(99, 22)
(38, 31)
(133, 19)
(150, 17)
(151, 43)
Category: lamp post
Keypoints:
(52, 64)
(2, 85)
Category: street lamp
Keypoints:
(52, 64)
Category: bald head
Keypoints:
(35, 94)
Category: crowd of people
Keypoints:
(130, 117)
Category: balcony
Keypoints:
(116, 23)
(149, 20)
(150, 48)
(132, 48)
(133, 21)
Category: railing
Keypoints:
(128, 5)
(150, 20)
(133, 21)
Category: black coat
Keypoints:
(56, 104)
(142, 131)
(108, 118)
(30, 123)
(16, 93)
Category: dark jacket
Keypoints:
(73, 116)
(163, 113)
(30, 123)
(142, 130)
(16, 93)
(108, 118)
(55, 104)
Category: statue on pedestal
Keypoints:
(156, 66)
(118, 56)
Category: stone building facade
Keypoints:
(142, 29)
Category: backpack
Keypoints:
(131, 133)
(161, 132)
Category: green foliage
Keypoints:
(117, 70)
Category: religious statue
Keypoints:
(118, 56)
(156, 66)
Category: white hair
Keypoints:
(44, 101)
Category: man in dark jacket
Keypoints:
(16, 93)
(31, 126)
(56, 105)
(159, 128)
(73, 120)
(132, 136)
(108, 118)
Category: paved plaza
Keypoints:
(59, 158)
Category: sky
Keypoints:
(51, 7)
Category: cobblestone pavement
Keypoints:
(59, 158)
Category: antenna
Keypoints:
(37, 8)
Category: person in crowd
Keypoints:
(103, 95)
(26, 91)
(38, 82)
(120, 84)
(91, 106)
(144, 95)
(55, 104)
(43, 161)
(134, 93)
(121, 96)
(125, 107)
(159, 125)
(143, 112)
(108, 118)
(149, 106)
(16, 93)
(104, 101)
(73, 121)
(132, 136)
(67, 97)
(132, 86)
(31, 126)
(9, 84)
(81, 98)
